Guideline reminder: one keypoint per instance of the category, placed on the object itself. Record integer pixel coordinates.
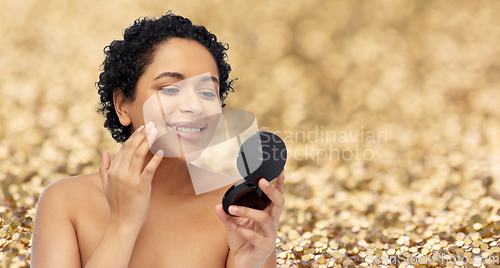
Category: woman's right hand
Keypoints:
(126, 186)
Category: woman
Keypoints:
(141, 210)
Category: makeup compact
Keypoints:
(262, 155)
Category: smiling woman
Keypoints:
(128, 59)
(162, 89)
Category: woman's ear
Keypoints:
(121, 107)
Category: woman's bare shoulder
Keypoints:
(75, 189)
(55, 238)
(76, 184)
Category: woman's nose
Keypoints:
(190, 102)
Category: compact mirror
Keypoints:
(261, 156)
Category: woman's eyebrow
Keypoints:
(211, 78)
(181, 77)
(170, 74)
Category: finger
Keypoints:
(258, 240)
(276, 197)
(151, 167)
(121, 152)
(280, 182)
(104, 169)
(227, 220)
(151, 138)
(245, 222)
(140, 154)
(132, 144)
(249, 224)
(262, 218)
(139, 129)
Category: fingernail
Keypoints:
(233, 209)
(150, 124)
(266, 183)
(153, 131)
(160, 152)
(140, 128)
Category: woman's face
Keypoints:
(179, 92)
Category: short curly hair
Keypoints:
(127, 59)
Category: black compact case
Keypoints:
(262, 155)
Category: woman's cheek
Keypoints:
(153, 112)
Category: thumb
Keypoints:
(226, 219)
(104, 168)
(234, 239)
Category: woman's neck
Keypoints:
(171, 179)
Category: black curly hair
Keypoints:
(127, 59)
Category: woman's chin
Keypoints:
(189, 157)
(190, 151)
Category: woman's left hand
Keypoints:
(252, 234)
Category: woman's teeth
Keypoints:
(186, 129)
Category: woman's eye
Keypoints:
(170, 90)
(208, 94)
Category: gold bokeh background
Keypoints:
(426, 73)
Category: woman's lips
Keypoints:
(188, 133)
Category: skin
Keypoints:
(141, 209)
